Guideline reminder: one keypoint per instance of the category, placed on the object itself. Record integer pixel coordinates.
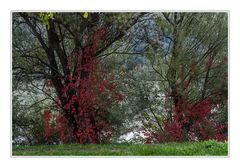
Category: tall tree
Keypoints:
(57, 46)
(191, 61)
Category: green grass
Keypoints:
(207, 148)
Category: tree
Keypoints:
(191, 60)
(62, 48)
(167, 71)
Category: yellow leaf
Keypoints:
(85, 15)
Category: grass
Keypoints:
(207, 148)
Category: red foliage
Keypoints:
(55, 125)
(86, 95)
(48, 129)
(190, 122)
(174, 131)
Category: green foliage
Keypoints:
(148, 99)
(85, 15)
(207, 148)
(27, 121)
(45, 17)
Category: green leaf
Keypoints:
(85, 15)
(45, 17)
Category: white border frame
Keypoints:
(85, 5)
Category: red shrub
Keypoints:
(190, 122)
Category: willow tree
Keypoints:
(62, 49)
(189, 53)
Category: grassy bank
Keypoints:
(207, 148)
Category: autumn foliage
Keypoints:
(88, 92)
(190, 122)
(55, 127)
